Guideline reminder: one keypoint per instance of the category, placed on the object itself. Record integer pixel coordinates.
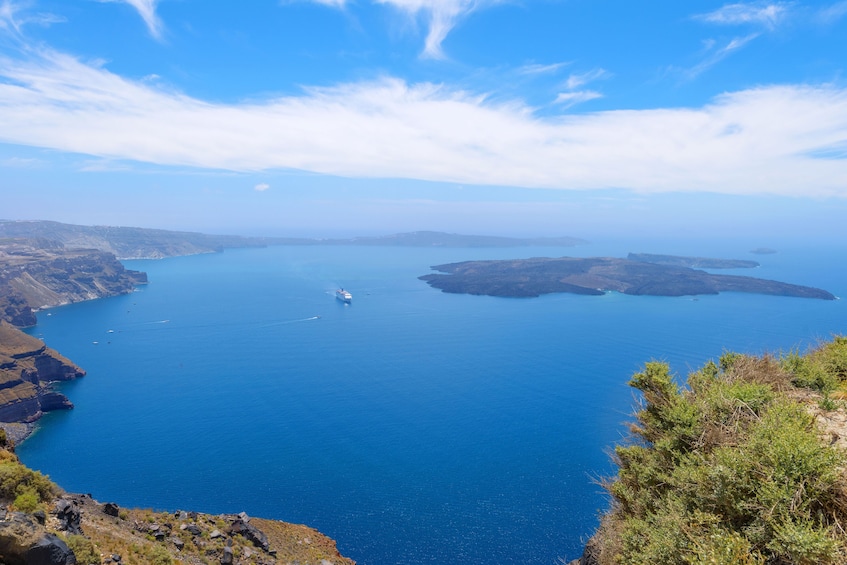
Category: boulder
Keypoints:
(69, 516)
(250, 533)
(111, 509)
(49, 550)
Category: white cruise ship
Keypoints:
(343, 295)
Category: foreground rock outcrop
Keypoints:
(67, 529)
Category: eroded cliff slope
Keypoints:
(40, 273)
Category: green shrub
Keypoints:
(16, 478)
(27, 500)
(730, 470)
(84, 550)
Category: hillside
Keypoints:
(125, 242)
(40, 273)
(744, 465)
(27, 370)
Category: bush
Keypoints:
(27, 500)
(730, 470)
(16, 480)
(84, 550)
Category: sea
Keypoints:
(412, 426)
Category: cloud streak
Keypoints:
(147, 10)
(768, 15)
(391, 129)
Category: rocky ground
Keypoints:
(78, 529)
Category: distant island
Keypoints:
(763, 251)
(597, 275)
(441, 239)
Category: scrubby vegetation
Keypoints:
(27, 489)
(734, 468)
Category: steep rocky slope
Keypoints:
(27, 367)
(40, 273)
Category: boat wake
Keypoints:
(284, 322)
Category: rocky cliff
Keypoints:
(35, 274)
(27, 369)
(40, 273)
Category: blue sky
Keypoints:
(548, 117)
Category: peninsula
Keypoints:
(598, 275)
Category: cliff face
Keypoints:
(27, 367)
(37, 273)
(34, 274)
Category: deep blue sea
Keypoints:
(411, 426)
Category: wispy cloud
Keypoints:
(715, 54)
(538, 69)
(575, 94)
(578, 80)
(833, 13)
(568, 99)
(391, 129)
(764, 14)
(147, 10)
(13, 18)
(441, 15)
(333, 3)
(261, 187)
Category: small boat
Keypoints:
(343, 295)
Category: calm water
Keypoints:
(411, 426)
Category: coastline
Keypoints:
(18, 432)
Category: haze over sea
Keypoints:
(412, 426)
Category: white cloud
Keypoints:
(391, 129)
(262, 186)
(769, 15)
(537, 69)
(442, 16)
(333, 3)
(147, 10)
(716, 55)
(12, 19)
(578, 80)
(568, 99)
